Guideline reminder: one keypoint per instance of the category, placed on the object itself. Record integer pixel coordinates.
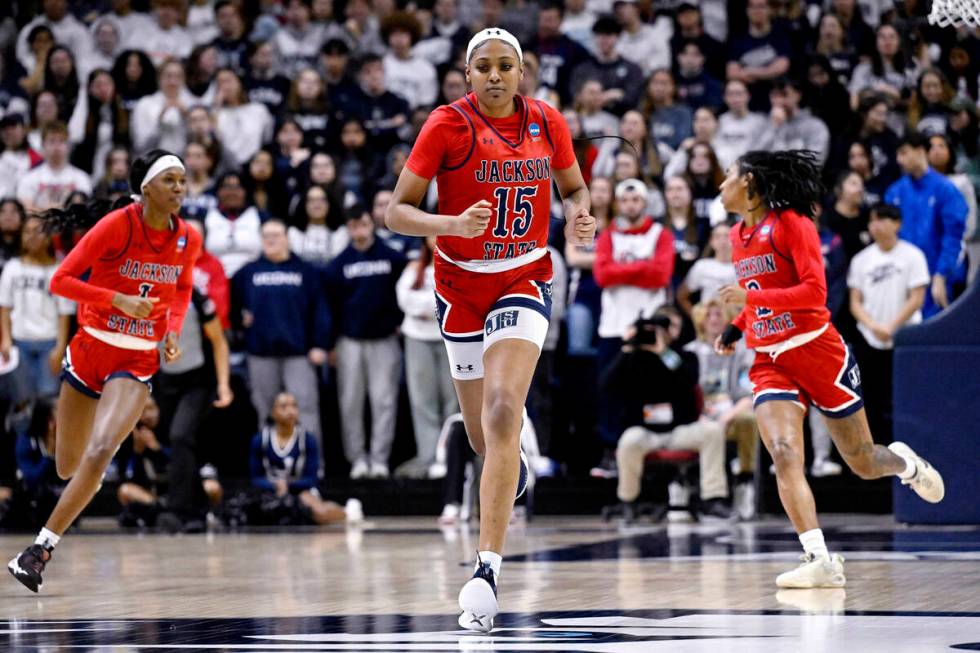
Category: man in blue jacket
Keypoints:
(360, 284)
(278, 302)
(933, 219)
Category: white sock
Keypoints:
(494, 559)
(47, 539)
(909, 469)
(812, 542)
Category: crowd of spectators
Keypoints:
(295, 118)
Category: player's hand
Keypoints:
(722, 349)
(579, 226)
(732, 294)
(939, 295)
(55, 356)
(6, 344)
(225, 396)
(472, 222)
(134, 305)
(171, 350)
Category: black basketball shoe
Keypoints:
(27, 567)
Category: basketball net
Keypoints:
(955, 13)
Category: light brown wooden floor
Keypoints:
(408, 566)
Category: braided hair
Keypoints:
(68, 224)
(787, 179)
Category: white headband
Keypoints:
(163, 163)
(494, 33)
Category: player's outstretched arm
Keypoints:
(404, 216)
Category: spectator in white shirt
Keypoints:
(107, 36)
(887, 281)
(316, 234)
(648, 46)
(67, 29)
(32, 319)
(16, 157)
(407, 75)
(159, 120)
(242, 126)
(50, 184)
(738, 128)
(430, 385)
(164, 37)
(710, 273)
(298, 41)
(233, 227)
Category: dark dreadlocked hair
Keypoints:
(788, 179)
(76, 219)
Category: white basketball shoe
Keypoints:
(814, 572)
(478, 600)
(926, 482)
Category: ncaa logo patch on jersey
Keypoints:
(534, 129)
(181, 243)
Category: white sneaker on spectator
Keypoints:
(359, 470)
(378, 471)
(824, 467)
(816, 571)
(354, 511)
(927, 482)
(450, 515)
(744, 502)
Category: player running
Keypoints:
(139, 260)
(494, 155)
(800, 357)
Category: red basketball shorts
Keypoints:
(821, 372)
(90, 363)
(477, 309)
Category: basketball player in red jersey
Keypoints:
(494, 155)
(140, 261)
(800, 357)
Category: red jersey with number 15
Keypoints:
(122, 254)
(778, 262)
(506, 161)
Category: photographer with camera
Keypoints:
(655, 389)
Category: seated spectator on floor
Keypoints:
(36, 471)
(724, 381)
(655, 389)
(285, 465)
(138, 493)
(277, 303)
(360, 285)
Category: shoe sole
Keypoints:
(522, 477)
(904, 450)
(23, 579)
(477, 592)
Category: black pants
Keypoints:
(876, 385)
(184, 399)
(539, 400)
(458, 453)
